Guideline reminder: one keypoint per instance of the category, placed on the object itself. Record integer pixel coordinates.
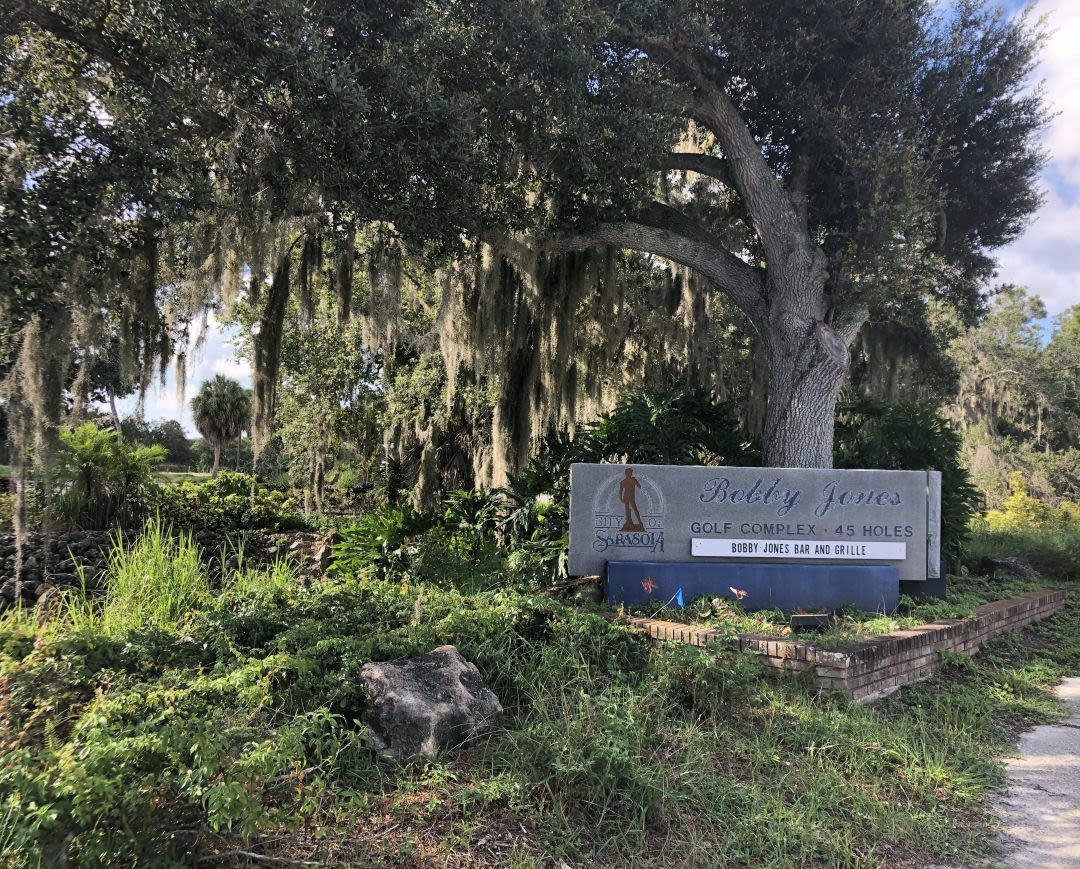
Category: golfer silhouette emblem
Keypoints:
(628, 487)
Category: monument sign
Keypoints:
(700, 515)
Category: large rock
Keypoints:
(1007, 565)
(418, 705)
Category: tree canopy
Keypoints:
(817, 163)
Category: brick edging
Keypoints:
(876, 667)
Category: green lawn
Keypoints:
(172, 477)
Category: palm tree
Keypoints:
(222, 410)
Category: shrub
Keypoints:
(102, 480)
(232, 502)
(1021, 512)
(473, 516)
(673, 427)
(377, 543)
(910, 437)
(655, 427)
(1046, 535)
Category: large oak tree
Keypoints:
(818, 161)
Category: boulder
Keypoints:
(419, 705)
(588, 592)
(1008, 565)
(10, 591)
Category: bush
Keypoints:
(232, 502)
(377, 545)
(1046, 535)
(674, 427)
(911, 437)
(101, 480)
(646, 427)
(1021, 512)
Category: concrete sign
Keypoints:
(662, 513)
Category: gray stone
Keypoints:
(8, 591)
(590, 592)
(1009, 565)
(894, 512)
(419, 705)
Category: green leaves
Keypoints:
(232, 502)
(102, 480)
(912, 437)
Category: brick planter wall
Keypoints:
(874, 668)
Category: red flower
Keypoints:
(738, 592)
(649, 584)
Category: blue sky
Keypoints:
(1046, 260)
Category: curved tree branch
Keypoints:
(666, 232)
(702, 164)
(772, 210)
(125, 59)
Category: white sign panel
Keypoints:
(716, 547)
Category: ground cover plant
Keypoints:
(167, 724)
(847, 626)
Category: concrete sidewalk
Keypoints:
(1041, 808)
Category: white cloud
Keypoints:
(216, 356)
(1046, 259)
(231, 366)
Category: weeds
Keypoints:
(165, 725)
(157, 580)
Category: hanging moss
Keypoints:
(558, 337)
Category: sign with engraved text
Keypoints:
(698, 514)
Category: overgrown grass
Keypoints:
(1054, 552)
(186, 727)
(158, 580)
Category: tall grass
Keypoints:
(158, 579)
(1054, 552)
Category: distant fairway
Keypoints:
(183, 476)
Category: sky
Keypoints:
(1045, 260)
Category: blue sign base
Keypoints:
(807, 587)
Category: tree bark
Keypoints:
(116, 417)
(217, 460)
(801, 409)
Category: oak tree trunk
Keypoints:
(807, 364)
(801, 410)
